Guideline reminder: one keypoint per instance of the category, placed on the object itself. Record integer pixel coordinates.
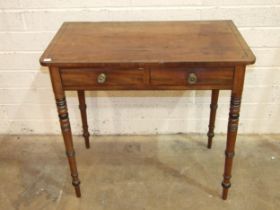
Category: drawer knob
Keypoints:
(192, 78)
(101, 78)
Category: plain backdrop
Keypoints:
(26, 99)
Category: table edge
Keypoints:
(251, 59)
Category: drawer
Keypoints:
(220, 77)
(102, 78)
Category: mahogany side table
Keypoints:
(181, 55)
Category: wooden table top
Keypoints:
(91, 43)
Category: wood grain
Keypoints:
(186, 55)
(87, 43)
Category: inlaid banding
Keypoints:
(65, 127)
(235, 101)
(233, 127)
(226, 185)
(61, 102)
(76, 183)
(234, 116)
(210, 134)
(227, 177)
(213, 106)
(70, 153)
(63, 116)
(229, 154)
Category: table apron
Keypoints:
(177, 78)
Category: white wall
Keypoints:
(26, 99)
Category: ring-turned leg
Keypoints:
(232, 127)
(83, 106)
(65, 127)
(67, 135)
(213, 109)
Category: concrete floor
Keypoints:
(168, 172)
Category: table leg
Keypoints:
(213, 109)
(65, 127)
(83, 106)
(232, 127)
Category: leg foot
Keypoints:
(76, 185)
(225, 194)
(78, 191)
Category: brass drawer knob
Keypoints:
(192, 78)
(101, 78)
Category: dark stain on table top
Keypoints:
(186, 42)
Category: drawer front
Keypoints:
(220, 77)
(102, 78)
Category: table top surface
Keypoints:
(90, 43)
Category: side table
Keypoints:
(182, 55)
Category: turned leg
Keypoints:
(65, 127)
(232, 127)
(67, 135)
(83, 106)
(213, 109)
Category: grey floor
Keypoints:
(166, 172)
